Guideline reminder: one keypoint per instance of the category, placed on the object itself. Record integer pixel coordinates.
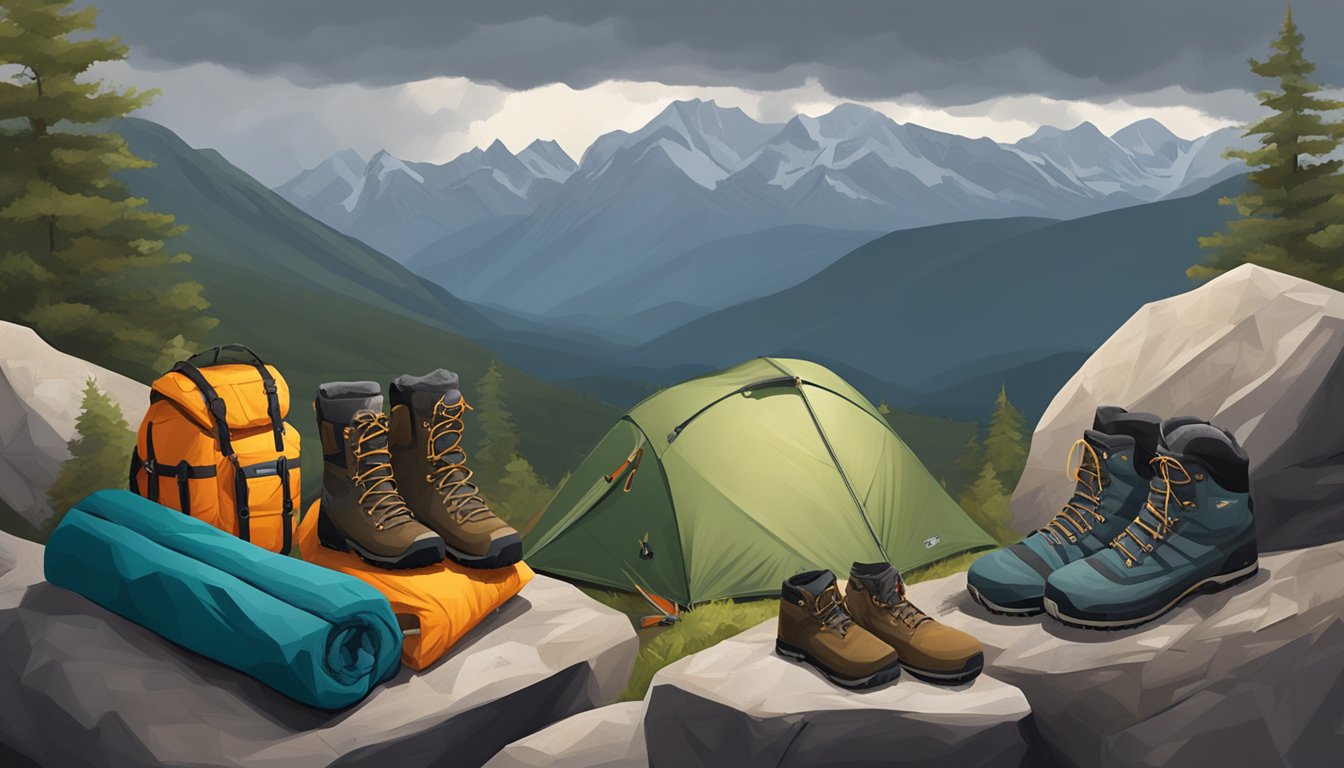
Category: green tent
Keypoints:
(725, 485)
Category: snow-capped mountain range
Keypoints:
(533, 232)
(398, 206)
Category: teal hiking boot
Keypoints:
(1196, 532)
(1111, 484)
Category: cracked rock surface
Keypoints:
(1253, 675)
(606, 737)
(1255, 351)
(739, 704)
(86, 687)
(41, 394)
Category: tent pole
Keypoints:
(821, 431)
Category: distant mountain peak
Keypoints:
(1148, 126)
(384, 163)
(547, 159)
(1147, 137)
(347, 158)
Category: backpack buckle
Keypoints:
(151, 467)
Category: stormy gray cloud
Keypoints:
(944, 52)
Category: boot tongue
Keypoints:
(1103, 444)
(880, 579)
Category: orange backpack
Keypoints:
(214, 444)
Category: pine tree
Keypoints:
(81, 260)
(98, 454)
(1006, 442)
(968, 464)
(1291, 215)
(986, 503)
(499, 437)
(522, 493)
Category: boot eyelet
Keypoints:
(800, 602)
(380, 527)
(1198, 477)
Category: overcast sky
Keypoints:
(279, 85)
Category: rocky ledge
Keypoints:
(1255, 351)
(41, 391)
(1250, 676)
(738, 704)
(85, 687)
(607, 737)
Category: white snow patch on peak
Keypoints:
(504, 181)
(384, 163)
(697, 166)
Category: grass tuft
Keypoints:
(711, 623)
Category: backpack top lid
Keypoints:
(239, 385)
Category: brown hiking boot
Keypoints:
(361, 509)
(933, 652)
(814, 627)
(432, 470)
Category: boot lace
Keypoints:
(373, 471)
(895, 603)
(449, 471)
(1163, 489)
(1078, 515)
(831, 610)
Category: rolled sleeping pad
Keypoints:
(315, 635)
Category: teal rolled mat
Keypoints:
(315, 635)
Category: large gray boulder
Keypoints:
(606, 737)
(41, 390)
(1250, 676)
(1255, 351)
(738, 704)
(85, 687)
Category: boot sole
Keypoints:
(869, 681)
(418, 555)
(971, 670)
(1207, 586)
(1000, 609)
(503, 553)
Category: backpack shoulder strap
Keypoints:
(267, 381)
(272, 404)
(213, 403)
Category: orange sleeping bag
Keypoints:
(435, 605)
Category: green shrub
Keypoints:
(698, 629)
(711, 623)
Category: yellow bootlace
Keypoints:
(1081, 511)
(452, 477)
(379, 497)
(1163, 466)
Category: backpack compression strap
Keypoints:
(219, 413)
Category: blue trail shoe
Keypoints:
(1196, 532)
(1111, 484)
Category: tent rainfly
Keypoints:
(724, 485)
